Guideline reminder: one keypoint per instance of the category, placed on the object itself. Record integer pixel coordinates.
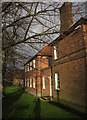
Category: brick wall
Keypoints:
(66, 16)
(42, 63)
(47, 74)
(85, 43)
(30, 74)
(71, 67)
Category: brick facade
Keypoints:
(71, 66)
(65, 16)
(46, 72)
(61, 67)
(41, 71)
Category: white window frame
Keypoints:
(57, 81)
(31, 65)
(30, 82)
(27, 67)
(44, 82)
(34, 82)
(34, 63)
(50, 85)
(27, 82)
(55, 52)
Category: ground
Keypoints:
(20, 104)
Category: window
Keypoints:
(30, 65)
(27, 82)
(44, 82)
(27, 67)
(57, 85)
(55, 52)
(30, 82)
(34, 82)
(34, 63)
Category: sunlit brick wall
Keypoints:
(71, 65)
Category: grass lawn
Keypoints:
(20, 104)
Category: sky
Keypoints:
(38, 28)
(43, 0)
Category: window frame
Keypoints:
(34, 82)
(34, 63)
(31, 65)
(55, 52)
(44, 82)
(57, 81)
(28, 67)
(27, 82)
(30, 85)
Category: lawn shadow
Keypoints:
(37, 109)
(9, 101)
(68, 109)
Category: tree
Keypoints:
(28, 26)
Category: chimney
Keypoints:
(65, 16)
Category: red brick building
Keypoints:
(69, 65)
(66, 79)
(38, 73)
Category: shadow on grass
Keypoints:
(37, 109)
(9, 101)
(68, 109)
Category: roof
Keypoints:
(46, 51)
(69, 30)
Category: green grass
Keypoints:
(19, 104)
(11, 89)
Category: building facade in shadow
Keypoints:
(38, 73)
(69, 61)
